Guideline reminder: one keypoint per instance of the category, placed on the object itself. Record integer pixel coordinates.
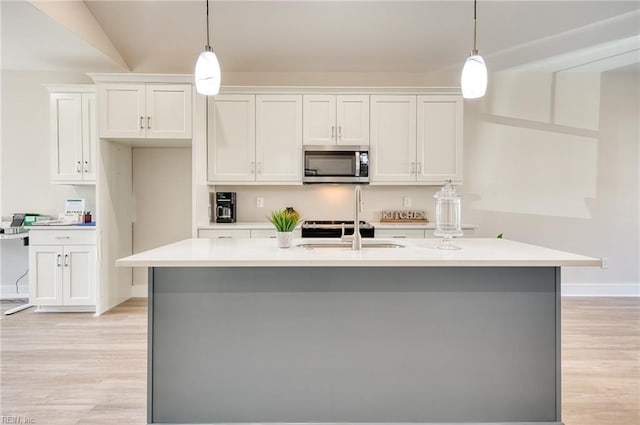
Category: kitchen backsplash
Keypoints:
(329, 202)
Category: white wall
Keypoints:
(553, 160)
(25, 181)
(162, 202)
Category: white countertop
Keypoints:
(489, 252)
(377, 224)
(61, 227)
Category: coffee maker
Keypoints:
(225, 206)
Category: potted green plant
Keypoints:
(285, 220)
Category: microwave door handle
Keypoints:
(357, 164)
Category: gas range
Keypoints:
(333, 228)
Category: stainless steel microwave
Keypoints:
(335, 164)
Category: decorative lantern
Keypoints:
(448, 215)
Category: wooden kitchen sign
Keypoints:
(405, 216)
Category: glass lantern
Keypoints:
(448, 216)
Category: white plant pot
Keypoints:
(284, 239)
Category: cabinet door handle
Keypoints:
(252, 167)
(333, 131)
(66, 260)
(224, 237)
(86, 166)
(419, 167)
(259, 167)
(63, 237)
(58, 260)
(339, 132)
(148, 122)
(142, 122)
(78, 170)
(412, 167)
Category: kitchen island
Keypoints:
(243, 332)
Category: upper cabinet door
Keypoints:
(278, 138)
(353, 120)
(231, 138)
(122, 111)
(66, 129)
(439, 147)
(89, 136)
(168, 111)
(393, 138)
(319, 119)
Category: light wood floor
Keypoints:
(76, 369)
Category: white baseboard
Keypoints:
(140, 291)
(600, 290)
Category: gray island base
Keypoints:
(345, 345)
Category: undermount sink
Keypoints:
(347, 244)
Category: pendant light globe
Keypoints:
(473, 81)
(207, 73)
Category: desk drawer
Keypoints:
(62, 237)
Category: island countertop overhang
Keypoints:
(474, 252)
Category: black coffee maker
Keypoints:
(225, 207)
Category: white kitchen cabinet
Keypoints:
(62, 268)
(231, 140)
(279, 138)
(416, 139)
(244, 233)
(139, 111)
(393, 138)
(439, 139)
(336, 119)
(73, 136)
(224, 233)
(400, 233)
(255, 139)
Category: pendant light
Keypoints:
(207, 73)
(474, 73)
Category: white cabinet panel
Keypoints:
(393, 138)
(278, 138)
(329, 119)
(439, 145)
(353, 120)
(168, 111)
(319, 119)
(139, 111)
(66, 135)
(45, 275)
(89, 136)
(231, 138)
(122, 111)
(79, 275)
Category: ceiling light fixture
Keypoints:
(474, 73)
(207, 73)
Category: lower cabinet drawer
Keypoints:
(224, 233)
(399, 233)
(62, 237)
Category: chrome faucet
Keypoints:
(356, 244)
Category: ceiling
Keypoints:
(322, 36)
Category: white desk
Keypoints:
(21, 235)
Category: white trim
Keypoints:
(601, 290)
(141, 78)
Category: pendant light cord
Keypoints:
(208, 46)
(475, 50)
